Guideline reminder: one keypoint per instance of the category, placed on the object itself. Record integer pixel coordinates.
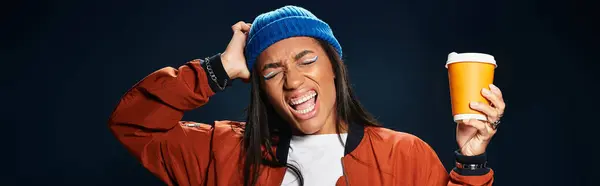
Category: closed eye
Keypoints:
(271, 74)
(311, 60)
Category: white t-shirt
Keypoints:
(319, 158)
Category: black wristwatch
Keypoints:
(471, 165)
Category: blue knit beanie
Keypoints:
(285, 22)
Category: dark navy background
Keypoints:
(67, 63)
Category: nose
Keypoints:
(293, 78)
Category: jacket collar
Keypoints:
(356, 132)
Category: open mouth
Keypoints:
(304, 105)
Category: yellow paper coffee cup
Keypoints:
(468, 73)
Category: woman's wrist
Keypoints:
(477, 159)
(227, 67)
(471, 165)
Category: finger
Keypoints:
(239, 30)
(482, 127)
(245, 27)
(494, 99)
(488, 110)
(238, 26)
(501, 106)
(238, 40)
(496, 91)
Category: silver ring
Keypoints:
(495, 124)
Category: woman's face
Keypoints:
(298, 79)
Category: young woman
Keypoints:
(304, 125)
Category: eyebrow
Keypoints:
(302, 54)
(278, 64)
(272, 65)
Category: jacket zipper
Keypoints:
(344, 173)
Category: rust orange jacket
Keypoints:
(147, 122)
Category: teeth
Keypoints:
(304, 111)
(303, 98)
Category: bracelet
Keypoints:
(212, 75)
(471, 166)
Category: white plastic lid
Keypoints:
(478, 57)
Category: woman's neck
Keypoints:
(330, 127)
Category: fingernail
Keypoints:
(473, 103)
(492, 86)
(486, 91)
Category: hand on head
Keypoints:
(233, 58)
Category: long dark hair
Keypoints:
(263, 122)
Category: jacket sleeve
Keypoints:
(147, 122)
(431, 171)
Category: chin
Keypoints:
(310, 127)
